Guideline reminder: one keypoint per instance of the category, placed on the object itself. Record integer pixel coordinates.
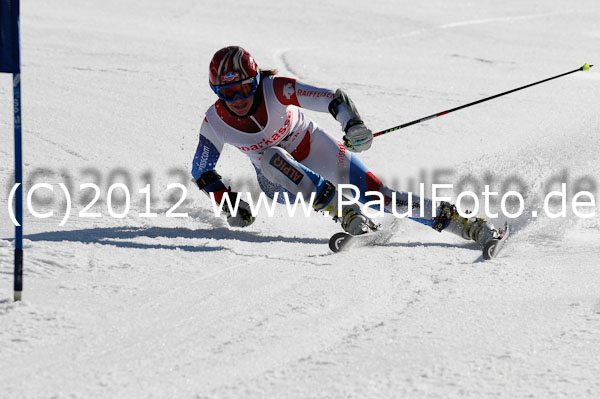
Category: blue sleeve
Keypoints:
(206, 157)
(208, 152)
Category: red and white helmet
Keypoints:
(231, 64)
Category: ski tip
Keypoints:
(491, 249)
(586, 67)
(488, 250)
(338, 241)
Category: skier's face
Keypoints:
(241, 106)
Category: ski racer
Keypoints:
(261, 114)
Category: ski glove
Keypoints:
(243, 216)
(358, 137)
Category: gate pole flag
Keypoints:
(10, 62)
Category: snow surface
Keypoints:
(186, 308)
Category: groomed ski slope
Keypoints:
(187, 308)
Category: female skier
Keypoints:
(260, 114)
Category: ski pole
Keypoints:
(585, 67)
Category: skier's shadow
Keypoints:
(116, 235)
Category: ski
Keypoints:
(340, 241)
(493, 247)
(343, 241)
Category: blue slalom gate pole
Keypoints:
(10, 62)
(18, 278)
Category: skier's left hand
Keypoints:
(358, 137)
(243, 216)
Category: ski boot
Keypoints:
(476, 229)
(355, 225)
(352, 220)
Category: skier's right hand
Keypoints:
(243, 217)
(358, 137)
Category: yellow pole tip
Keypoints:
(586, 67)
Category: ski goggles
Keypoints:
(243, 89)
